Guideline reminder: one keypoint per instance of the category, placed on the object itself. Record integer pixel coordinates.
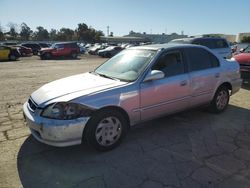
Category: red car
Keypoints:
(24, 51)
(243, 59)
(63, 49)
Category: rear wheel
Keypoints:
(74, 55)
(220, 100)
(46, 56)
(106, 130)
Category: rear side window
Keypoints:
(204, 42)
(220, 43)
(199, 59)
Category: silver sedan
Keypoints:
(138, 84)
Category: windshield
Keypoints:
(247, 50)
(127, 65)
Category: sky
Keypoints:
(194, 17)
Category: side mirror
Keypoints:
(241, 50)
(154, 75)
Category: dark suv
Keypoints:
(34, 46)
(218, 45)
(70, 49)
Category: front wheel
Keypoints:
(106, 130)
(220, 100)
(12, 57)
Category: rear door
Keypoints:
(204, 72)
(169, 94)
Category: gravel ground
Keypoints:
(189, 149)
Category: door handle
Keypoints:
(217, 75)
(183, 83)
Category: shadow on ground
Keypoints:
(174, 151)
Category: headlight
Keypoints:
(66, 111)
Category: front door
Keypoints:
(167, 95)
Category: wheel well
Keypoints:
(123, 112)
(115, 108)
(227, 85)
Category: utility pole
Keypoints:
(107, 30)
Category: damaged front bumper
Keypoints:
(55, 132)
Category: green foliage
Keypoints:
(83, 33)
(25, 32)
(88, 34)
(41, 34)
(246, 39)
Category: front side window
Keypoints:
(199, 59)
(127, 65)
(170, 64)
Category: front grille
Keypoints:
(32, 105)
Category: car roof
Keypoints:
(165, 46)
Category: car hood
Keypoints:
(46, 49)
(242, 57)
(72, 87)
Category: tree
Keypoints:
(53, 34)
(41, 34)
(13, 30)
(25, 32)
(1, 33)
(83, 32)
(65, 34)
(246, 39)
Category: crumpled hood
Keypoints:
(72, 87)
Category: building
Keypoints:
(157, 38)
(240, 36)
(124, 39)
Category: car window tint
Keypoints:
(204, 42)
(199, 59)
(215, 62)
(170, 63)
(220, 43)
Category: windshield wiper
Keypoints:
(105, 76)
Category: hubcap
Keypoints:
(221, 100)
(108, 131)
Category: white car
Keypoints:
(138, 84)
(219, 46)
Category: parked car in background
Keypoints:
(93, 50)
(243, 58)
(138, 84)
(44, 44)
(216, 44)
(62, 49)
(34, 46)
(24, 51)
(9, 53)
(10, 43)
(109, 51)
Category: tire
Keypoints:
(46, 56)
(74, 55)
(108, 55)
(106, 130)
(220, 100)
(12, 57)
